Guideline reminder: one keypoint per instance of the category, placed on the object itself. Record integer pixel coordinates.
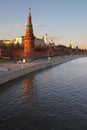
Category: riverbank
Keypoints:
(11, 71)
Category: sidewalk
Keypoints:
(10, 71)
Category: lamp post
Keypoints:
(49, 51)
(0, 52)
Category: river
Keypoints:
(49, 99)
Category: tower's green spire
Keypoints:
(29, 24)
(29, 11)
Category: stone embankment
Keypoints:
(11, 71)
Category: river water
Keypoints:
(51, 99)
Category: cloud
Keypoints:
(23, 25)
(38, 25)
(56, 37)
(20, 25)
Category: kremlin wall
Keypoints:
(33, 48)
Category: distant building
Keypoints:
(46, 38)
(39, 42)
(7, 41)
(52, 42)
(1, 41)
(19, 40)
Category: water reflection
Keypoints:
(55, 99)
(28, 85)
(28, 91)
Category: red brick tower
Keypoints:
(29, 40)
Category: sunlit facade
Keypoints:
(19, 40)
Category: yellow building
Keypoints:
(20, 40)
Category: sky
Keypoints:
(65, 21)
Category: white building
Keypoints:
(19, 40)
(46, 38)
(7, 41)
(39, 42)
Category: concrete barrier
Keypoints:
(10, 75)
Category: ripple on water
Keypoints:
(52, 99)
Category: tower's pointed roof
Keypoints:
(29, 24)
(29, 28)
(29, 12)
